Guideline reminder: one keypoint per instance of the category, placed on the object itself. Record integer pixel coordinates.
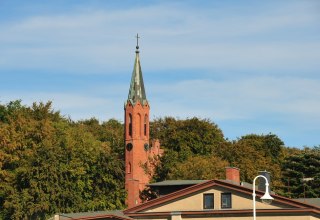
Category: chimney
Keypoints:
(233, 174)
(262, 182)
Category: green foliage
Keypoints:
(253, 153)
(270, 145)
(301, 174)
(110, 132)
(188, 137)
(199, 167)
(196, 149)
(51, 165)
(183, 139)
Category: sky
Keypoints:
(251, 67)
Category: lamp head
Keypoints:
(266, 198)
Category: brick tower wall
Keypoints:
(136, 177)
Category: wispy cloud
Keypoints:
(244, 98)
(288, 107)
(76, 106)
(173, 34)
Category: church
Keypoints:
(137, 143)
(225, 199)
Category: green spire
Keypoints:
(137, 91)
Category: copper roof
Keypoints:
(137, 91)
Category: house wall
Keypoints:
(195, 202)
(179, 217)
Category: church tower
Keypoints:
(137, 148)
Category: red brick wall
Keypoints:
(233, 174)
(137, 179)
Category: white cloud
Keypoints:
(295, 98)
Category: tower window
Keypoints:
(226, 200)
(145, 125)
(138, 126)
(130, 125)
(208, 201)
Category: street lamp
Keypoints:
(266, 198)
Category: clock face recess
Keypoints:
(129, 147)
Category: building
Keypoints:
(227, 199)
(137, 144)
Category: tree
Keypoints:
(110, 132)
(270, 145)
(49, 164)
(199, 168)
(253, 153)
(188, 137)
(182, 139)
(301, 174)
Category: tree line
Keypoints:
(51, 164)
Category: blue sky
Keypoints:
(249, 66)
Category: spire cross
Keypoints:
(137, 41)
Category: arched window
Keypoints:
(139, 125)
(145, 125)
(130, 125)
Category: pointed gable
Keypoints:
(190, 201)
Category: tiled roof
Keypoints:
(311, 201)
(176, 182)
(117, 214)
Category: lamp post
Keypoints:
(266, 198)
